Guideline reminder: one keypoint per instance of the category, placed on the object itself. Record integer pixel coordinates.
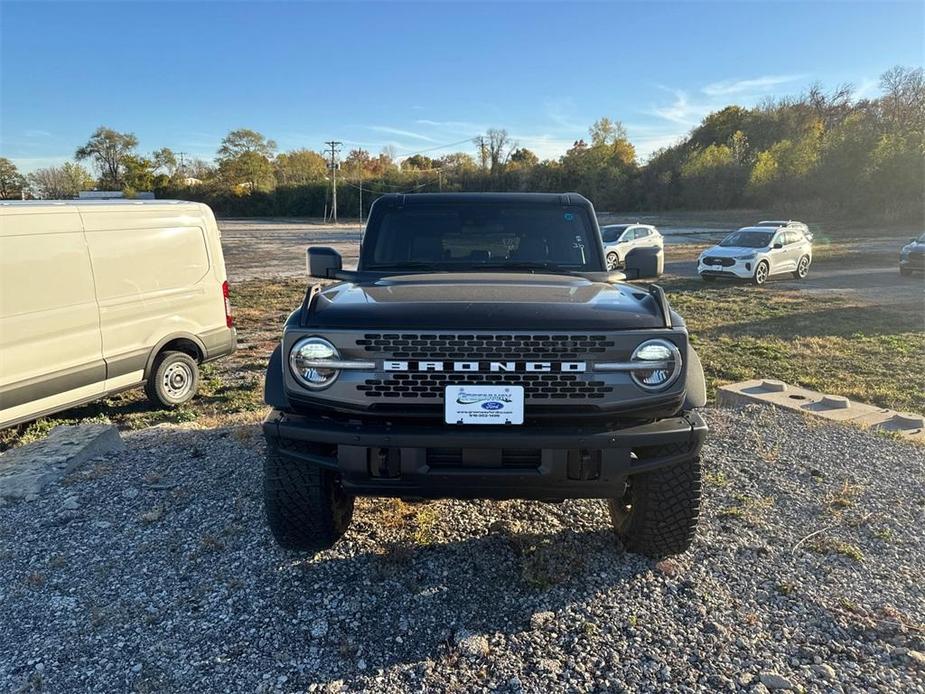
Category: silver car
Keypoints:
(756, 253)
(620, 239)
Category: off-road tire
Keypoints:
(658, 515)
(307, 509)
(760, 278)
(799, 273)
(613, 261)
(159, 388)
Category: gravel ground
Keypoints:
(152, 570)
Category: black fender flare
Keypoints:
(696, 384)
(274, 391)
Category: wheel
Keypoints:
(708, 278)
(802, 268)
(761, 273)
(613, 261)
(306, 507)
(174, 379)
(658, 512)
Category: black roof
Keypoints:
(400, 199)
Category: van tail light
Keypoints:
(229, 319)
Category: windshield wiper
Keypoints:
(552, 267)
(409, 265)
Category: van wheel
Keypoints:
(174, 379)
(658, 512)
(306, 507)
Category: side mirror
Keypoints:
(778, 246)
(641, 263)
(323, 262)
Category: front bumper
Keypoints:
(742, 269)
(440, 461)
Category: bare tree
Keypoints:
(108, 150)
(495, 148)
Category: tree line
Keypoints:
(829, 152)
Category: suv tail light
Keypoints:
(229, 319)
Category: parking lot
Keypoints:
(153, 570)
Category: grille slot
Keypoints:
(724, 262)
(538, 386)
(493, 347)
(507, 458)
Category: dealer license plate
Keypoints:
(477, 404)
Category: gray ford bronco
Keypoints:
(481, 349)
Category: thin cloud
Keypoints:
(756, 84)
(37, 133)
(401, 133)
(682, 110)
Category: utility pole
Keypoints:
(334, 148)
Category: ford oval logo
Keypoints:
(492, 405)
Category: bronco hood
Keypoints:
(484, 301)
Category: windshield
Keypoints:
(748, 239)
(612, 232)
(468, 236)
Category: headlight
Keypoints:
(664, 360)
(750, 256)
(307, 362)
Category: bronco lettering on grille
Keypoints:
(490, 366)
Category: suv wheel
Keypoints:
(658, 512)
(802, 268)
(613, 261)
(174, 379)
(762, 270)
(307, 509)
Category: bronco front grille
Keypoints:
(539, 386)
(480, 346)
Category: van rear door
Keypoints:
(50, 345)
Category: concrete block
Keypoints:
(27, 470)
(834, 407)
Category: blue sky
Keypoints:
(418, 76)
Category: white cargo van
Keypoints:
(102, 296)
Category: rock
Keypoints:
(538, 619)
(772, 681)
(917, 658)
(70, 504)
(472, 645)
(27, 470)
(129, 493)
(319, 629)
(825, 671)
(136, 668)
(553, 667)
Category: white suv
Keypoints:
(756, 253)
(620, 239)
(790, 223)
